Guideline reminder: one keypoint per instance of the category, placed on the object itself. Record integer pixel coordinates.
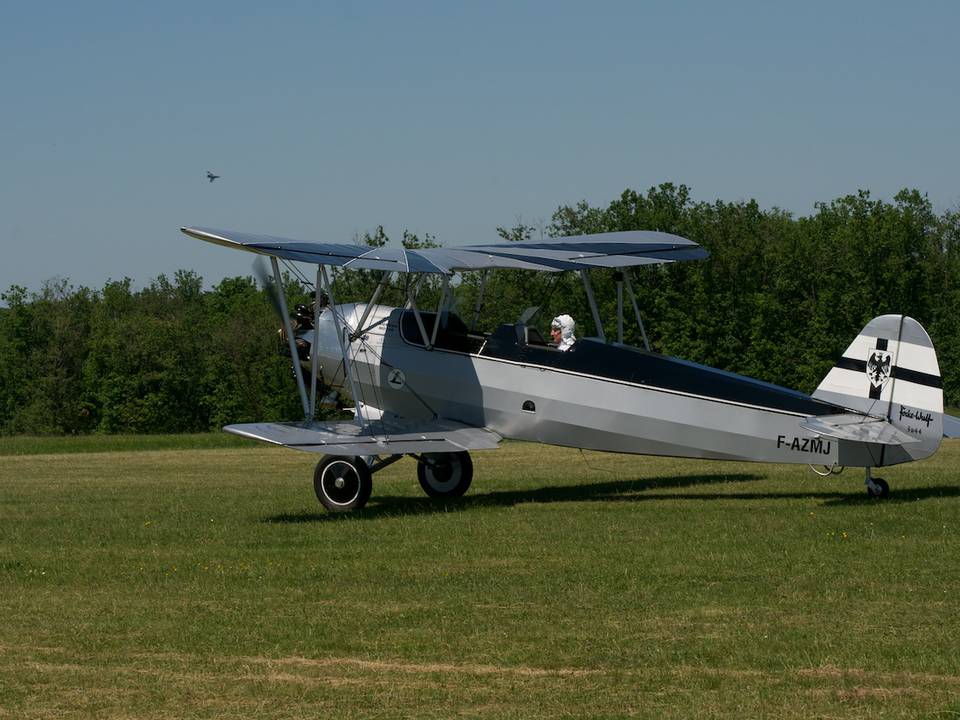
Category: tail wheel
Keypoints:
(342, 484)
(445, 475)
(878, 488)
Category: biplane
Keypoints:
(424, 384)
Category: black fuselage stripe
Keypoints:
(809, 407)
(900, 373)
(640, 369)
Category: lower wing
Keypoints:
(377, 438)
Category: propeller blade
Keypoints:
(267, 283)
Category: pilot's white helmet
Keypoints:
(566, 324)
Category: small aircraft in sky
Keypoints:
(427, 385)
(211, 177)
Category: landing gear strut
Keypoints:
(877, 487)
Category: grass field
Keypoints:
(185, 579)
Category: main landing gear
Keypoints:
(877, 487)
(344, 483)
(445, 475)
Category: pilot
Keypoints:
(561, 332)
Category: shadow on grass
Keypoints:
(615, 491)
(901, 495)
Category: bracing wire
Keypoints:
(298, 273)
(593, 467)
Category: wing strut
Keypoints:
(340, 324)
(288, 329)
(479, 304)
(314, 355)
(618, 276)
(412, 289)
(373, 301)
(440, 307)
(636, 310)
(588, 288)
(412, 304)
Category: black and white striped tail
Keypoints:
(890, 371)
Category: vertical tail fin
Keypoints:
(890, 370)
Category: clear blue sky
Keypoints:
(327, 119)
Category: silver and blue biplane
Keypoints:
(424, 384)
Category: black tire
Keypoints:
(342, 484)
(882, 490)
(445, 475)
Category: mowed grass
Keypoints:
(208, 583)
(24, 445)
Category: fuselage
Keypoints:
(600, 396)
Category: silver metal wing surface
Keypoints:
(577, 252)
(377, 438)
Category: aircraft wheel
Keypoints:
(445, 475)
(342, 484)
(878, 488)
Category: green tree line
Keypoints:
(779, 299)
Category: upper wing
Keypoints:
(379, 438)
(577, 252)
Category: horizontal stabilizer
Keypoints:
(378, 438)
(857, 428)
(951, 426)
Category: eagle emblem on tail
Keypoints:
(878, 367)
